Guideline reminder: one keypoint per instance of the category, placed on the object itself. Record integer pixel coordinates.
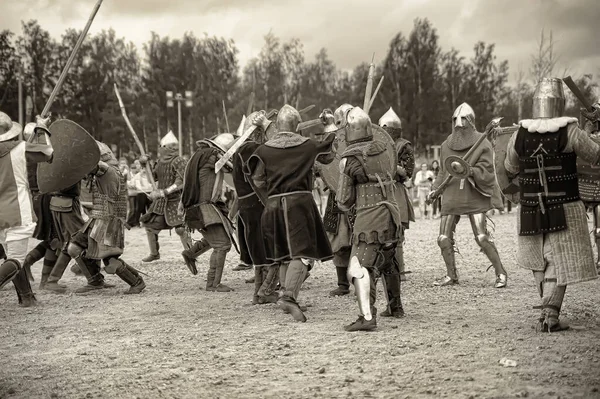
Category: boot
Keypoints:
(241, 267)
(342, 280)
(191, 254)
(258, 281)
(283, 268)
(400, 260)
(57, 272)
(23, 288)
(295, 276)
(32, 257)
(490, 250)
(154, 247)
(131, 276)
(361, 324)
(8, 271)
(49, 262)
(184, 237)
(218, 257)
(552, 299)
(269, 281)
(91, 271)
(392, 288)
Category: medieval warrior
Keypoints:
(250, 210)
(292, 229)
(102, 238)
(589, 174)
(163, 214)
(367, 182)
(17, 220)
(338, 223)
(553, 237)
(205, 210)
(474, 194)
(392, 124)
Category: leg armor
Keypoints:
(446, 243)
(23, 288)
(127, 273)
(389, 271)
(184, 236)
(153, 244)
(258, 281)
(362, 285)
(482, 237)
(295, 276)
(283, 268)
(49, 262)
(51, 283)
(552, 298)
(89, 268)
(33, 256)
(8, 271)
(269, 283)
(341, 259)
(597, 233)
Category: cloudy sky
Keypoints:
(351, 30)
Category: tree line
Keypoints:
(422, 82)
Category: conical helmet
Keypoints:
(464, 110)
(169, 140)
(390, 119)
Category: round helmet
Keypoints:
(340, 114)
(223, 141)
(288, 119)
(359, 126)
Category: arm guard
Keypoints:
(345, 195)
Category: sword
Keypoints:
(582, 99)
(227, 156)
(65, 70)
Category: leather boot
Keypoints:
(91, 270)
(392, 286)
(191, 254)
(295, 276)
(8, 271)
(131, 276)
(267, 292)
(57, 272)
(33, 256)
(218, 256)
(342, 281)
(154, 247)
(23, 288)
(258, 281)
(185, 238)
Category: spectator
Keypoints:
(139, 187)
(437, 204)
(423, 182)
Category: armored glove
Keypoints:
(592, 116)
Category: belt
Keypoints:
(247, 196)
(290, 193)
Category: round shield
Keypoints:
(75, 155)
(451, 159)
(330, 173)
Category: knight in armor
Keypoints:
(250, 210)
(163, 214)
(102, 238)
(292, 228)
(553, 237)
(17, 220)
(391, 123)
(205, 210)
(44, 232)
(589, 174)
(367, 180)
(338, 223)
(474, 195)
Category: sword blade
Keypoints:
(227, 156)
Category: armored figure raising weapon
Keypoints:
(17, 220)
(205, 211)
(392, 124)
(553, 237)
(250, 210)
(293, 232)
(472, 193)
(163, 214)
(102, 238)
(367, 180)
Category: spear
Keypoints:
(372, 100)
(65, 70)
(369, 88)
(226, 120)
(135, 137)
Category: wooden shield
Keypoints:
(75, 155)
(330, 173)
(510, 188)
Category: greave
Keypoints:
(295, 276)
(218, 257)
(269, 283)
(342, 277)
(490, 250)
(153, 242)
(128, 274)
(198, 248)
(450, 261)
(392, 287)
(59, 267)
(8, 271)
(361, 279)
(283, 268)
(23, 287)
(186, 239)
(258, 279)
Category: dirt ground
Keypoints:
(176, 340)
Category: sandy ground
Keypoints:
(178, 341)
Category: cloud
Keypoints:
(350, 30)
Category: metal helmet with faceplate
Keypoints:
(340, 115)
(463, 111)
(359, 126)
(548, 99)
(288, 119)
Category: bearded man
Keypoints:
(293, 232)
(553, 237)
(205, 210)
(474, 195)
(17, 220)
(163, 213)
(102, 238)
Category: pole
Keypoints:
(65, 70)
(20, 82)
(191, 136)
(226, 120)
(180, 130)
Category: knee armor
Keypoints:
(113, 265)
(74, 250)
(444, 242)
(180, 230)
